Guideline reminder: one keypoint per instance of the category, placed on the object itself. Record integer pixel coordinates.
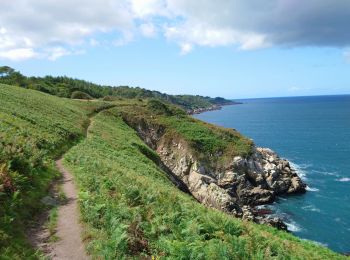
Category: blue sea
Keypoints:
(314, 134)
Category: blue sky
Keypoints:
(178, 48)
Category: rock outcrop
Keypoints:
(236, 188)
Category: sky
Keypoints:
(229, 48)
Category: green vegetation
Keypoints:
(129, 207)
(65, 87)
(80, 95)
(52, 223)
(207, 141)
(34, 129)
(132, 210)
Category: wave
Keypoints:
(338, 219)
(311, 189)
(316, 242)
(327, 173)
(293, 226)
(300, 169)
(311, 208)
(283, 199)
(343, 179)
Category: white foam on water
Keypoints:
(311, 189)
(293, 226)
(300, 169)
(261, 207)
(327, 173)
(344, 179)
(311, 208)
(316, 242)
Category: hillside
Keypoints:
(34, 129)
(65, 87)
(129, 205)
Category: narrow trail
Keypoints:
(68, 230)
(69, 245)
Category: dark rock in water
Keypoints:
(262, 212)
(274, 222)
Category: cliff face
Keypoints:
(237, 186)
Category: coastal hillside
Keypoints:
(68, 87)
(133, 202)
(35, 128)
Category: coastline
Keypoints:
(271, 164)
(211, 108)
(287, 135)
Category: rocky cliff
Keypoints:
(236, 187)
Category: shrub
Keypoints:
(159, 107)
(80, 95)
(111, 98)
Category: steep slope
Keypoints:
(221, 168)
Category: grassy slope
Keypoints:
(215, 145)
(34, 128)
(131, 209)
(129, 206)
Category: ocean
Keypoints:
(314, 134)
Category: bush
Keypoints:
(159, 107)
(80, 95)
(111, 98)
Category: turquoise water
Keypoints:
(314, 134)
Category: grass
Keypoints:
(35, 128)
(212, 144)
(52, 223)
(131, 210)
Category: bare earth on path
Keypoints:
(69, 245)
(68, 230)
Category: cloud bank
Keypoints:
(52, 29)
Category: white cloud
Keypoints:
(204, 35)
(3, 30)
(347, 56)
(57, 52)
(125, 38)
(43, 25)
(186, 48)
(93, 42)
(18, 54)
(148, 30)
(147, 8)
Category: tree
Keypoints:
(6, 71)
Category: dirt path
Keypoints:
(69, 245)
(68, 230)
